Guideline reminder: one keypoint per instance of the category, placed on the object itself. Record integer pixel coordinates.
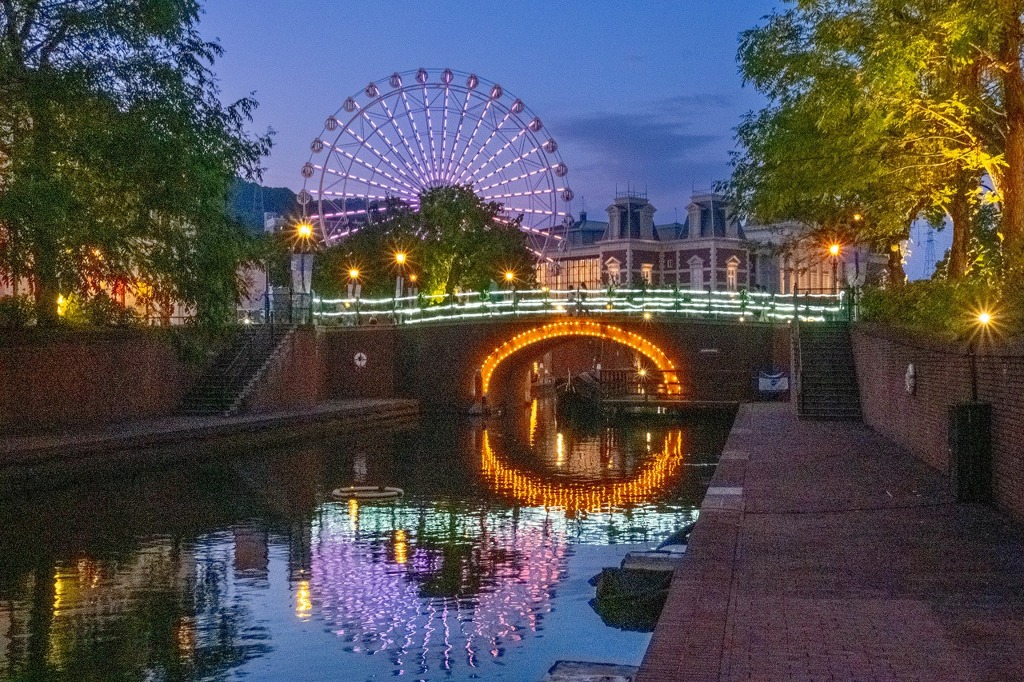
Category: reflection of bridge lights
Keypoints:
(533, 422)
(303, 605)
(581, 328)
(353, 514)
(400, 547)
(532, 490)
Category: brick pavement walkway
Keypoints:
(825, 552)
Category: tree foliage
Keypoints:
(895, 109)
(118, 154)
(455, 240)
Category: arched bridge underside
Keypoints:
(450, 366)
(578, 328)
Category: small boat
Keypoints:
(367, 492)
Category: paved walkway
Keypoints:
(32, 449)
(825, 552)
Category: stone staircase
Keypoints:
(229, 378)
(826, 375)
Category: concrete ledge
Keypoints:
(28, 450)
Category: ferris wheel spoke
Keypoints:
(415, 131)
(442, 170)
(364, 142)
(458, 136)
(501, 150)
(469, 142)
(528, 193)
(394, 150)
(374, 169)
(517, 178)
(430, 134)
(366, 181)
(421, 173)
(511, 163)
(490, 137)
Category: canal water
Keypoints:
(235, 561)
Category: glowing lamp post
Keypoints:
(400, 259)
(510, 280)
(834, 250)
(354, 287)
(303, 234)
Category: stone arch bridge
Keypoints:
(448, 365)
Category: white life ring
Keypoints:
(367, 492)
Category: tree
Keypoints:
(885, 107)
(119, 155)
(455, 240)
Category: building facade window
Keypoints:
(732, 268)
(614, 271)
(647, 272)
(696, 273)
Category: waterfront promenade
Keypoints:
(826, 552)
(71, 442)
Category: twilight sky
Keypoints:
(645, 93)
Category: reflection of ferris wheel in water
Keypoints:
(417, 130)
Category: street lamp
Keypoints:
(354, 288)
(833, 251)
(400, 259)
(303, 234)
(984, 320)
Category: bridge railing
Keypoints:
(646, 303)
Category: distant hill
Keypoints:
(248, 202)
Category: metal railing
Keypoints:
(648, 303)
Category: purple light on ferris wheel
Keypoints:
(417, 130)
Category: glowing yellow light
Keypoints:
(353, 273)
(858, 217)
(833, 249)
(303, 604)
(560, 447)
(62, 305)
(353, 514)
(401, 547)
(656, 474)
(304, 230)
(533, 422)
(642, 372)
(400, 257)
(412, 277)
(509, 276)
(984, 318)
(581, 328)
(647, 314)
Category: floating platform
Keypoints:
(581, 671)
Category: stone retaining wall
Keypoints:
(919, 420)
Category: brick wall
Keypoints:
(943, 378)
(297, 378)
(94, 379)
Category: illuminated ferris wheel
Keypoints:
(417, 130)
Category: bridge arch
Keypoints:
(568, 328)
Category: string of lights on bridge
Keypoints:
(648, 303)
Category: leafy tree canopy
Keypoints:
(455, 240)
(118, 154)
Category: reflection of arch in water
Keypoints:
(581, 328)
(532, 490)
